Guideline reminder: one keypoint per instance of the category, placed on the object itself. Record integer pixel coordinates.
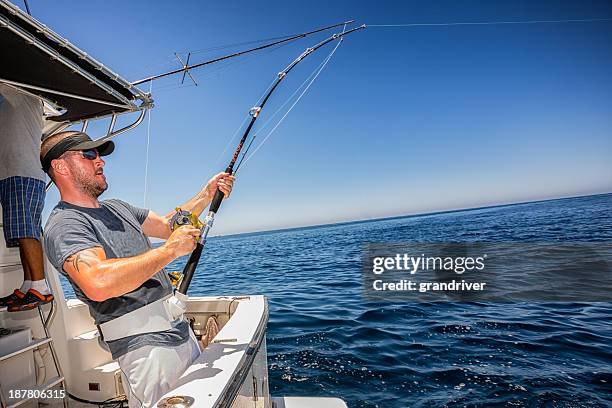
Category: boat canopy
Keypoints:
(43, 63)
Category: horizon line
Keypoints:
(406, 215)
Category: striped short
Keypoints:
(22, 200)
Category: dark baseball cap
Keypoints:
(76, 141)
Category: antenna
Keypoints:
(186, 68)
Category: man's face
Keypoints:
(86, 173)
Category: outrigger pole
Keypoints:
(186, 67)
(190, 267)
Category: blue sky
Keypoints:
(401, 121)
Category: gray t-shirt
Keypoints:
(21, 120)
(116, 227)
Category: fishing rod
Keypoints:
(187, 67)
(190, 267)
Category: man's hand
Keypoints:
(223, 181)
(197, 204)
(183, 240)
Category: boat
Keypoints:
(53, 355)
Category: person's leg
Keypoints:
(27, 276)
(33, 243)
(31, 252)
(27, 201)
(151, 371)
(9, 230)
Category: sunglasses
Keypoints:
(89, 154)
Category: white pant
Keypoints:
(150, 371)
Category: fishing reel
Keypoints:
(175, 278)
(183, 217)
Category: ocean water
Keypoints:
(325, 339)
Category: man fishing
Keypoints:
(103, 249)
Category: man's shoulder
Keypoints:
(115, 202)
(62, 214)
(62, 208)
(68, 229)
(126, 208)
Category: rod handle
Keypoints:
(190, 268)
(216, 202)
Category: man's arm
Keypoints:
(101, 278)
(158, 226)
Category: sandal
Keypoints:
(31, 300)
(13, 297)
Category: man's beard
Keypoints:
(91, 186)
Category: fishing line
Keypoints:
(172, 87)
(288, 99)
(322, 65)
(243, 160)
(587, 20)
(169, 61)
(296, 91)
(229, 142)
(216, 71)
(271, 118)
(147, 154)
(224, 47)
(314, 72)
(232, 45)
(236, 54)
(206, 225)
(227, 66)
(224, 67)
(246, 117)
